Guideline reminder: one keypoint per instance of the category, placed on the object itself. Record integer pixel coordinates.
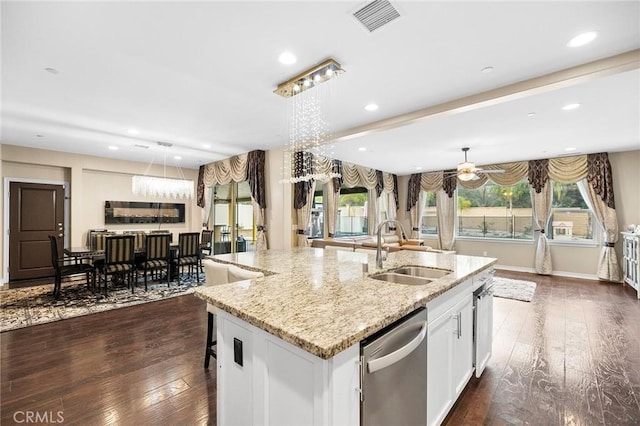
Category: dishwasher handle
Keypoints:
(395, 356)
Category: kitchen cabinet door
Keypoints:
(462, 338)
(439, 368)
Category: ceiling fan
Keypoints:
(468, 171)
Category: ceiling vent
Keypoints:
(376, 14)
(141, 146)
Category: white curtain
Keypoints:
(304, 217)
(206, 210)
(541, 203)
(415, 214)
(372, 211)
(261, 236)
(446, 212)
(333, 203)
(608, 268)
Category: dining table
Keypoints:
(81, 253)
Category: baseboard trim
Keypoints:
(555, 273)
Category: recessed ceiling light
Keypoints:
(287, 58)
(362, 148)
(582, 39)
(177, 157)
(572, 148)
(206, 146)
(133, 131)
(113, 148)
(371, 107)
(486, 70)
(418, 168)
(531, 114)
(52, 70)
(570, 107)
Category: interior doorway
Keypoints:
(33, 211)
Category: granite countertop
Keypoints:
(322, 302)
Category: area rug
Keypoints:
(513, 289)
(24, 307)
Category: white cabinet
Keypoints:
(279, 383)
(462, 344)
(631, 259)
(449, 350)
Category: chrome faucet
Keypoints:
(379, 243)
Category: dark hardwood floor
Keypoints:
(572, 356)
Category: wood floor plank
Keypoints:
(571, 356)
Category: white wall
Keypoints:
(93, 181)
(567, 260)
(279, 202)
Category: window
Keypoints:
(352, 212)
(571, 218)
(429, 217)
(495, 211)
(316, 224)
(232, 218)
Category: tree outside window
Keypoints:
(495, 211)
(352, 212)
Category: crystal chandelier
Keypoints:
(162, 187)
(308, 106)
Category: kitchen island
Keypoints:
(297, 331)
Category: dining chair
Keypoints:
(206, 242)
(157, 256)
(140, 237)
(62, 268)
(188, 253)
(97, 239)
(119, 259)
(217, 273)
(163, 231)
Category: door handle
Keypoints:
(385, 361)
(456, 332)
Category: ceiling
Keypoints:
(201, 75)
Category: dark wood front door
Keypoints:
(36, 211)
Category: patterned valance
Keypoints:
(200, 200)
(562, 169)
(300, 193)
(568, 169)
(240, 168)
(396, 194)
(600, 177)
(413, 193)
(256, 176)
(449, 181)
(233, 169)
(538, 174)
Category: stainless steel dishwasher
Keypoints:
(394, 374)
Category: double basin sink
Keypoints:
(411, 275)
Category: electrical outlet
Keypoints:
(484, 253)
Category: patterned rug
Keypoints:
(24, 307)
(513, 289)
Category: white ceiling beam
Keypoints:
(556, 80)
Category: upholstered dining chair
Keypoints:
(140, 237)
(119, 259)
(157, 256)
(206, 242)
(65, 269)
(188, 253)
(217, 273)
